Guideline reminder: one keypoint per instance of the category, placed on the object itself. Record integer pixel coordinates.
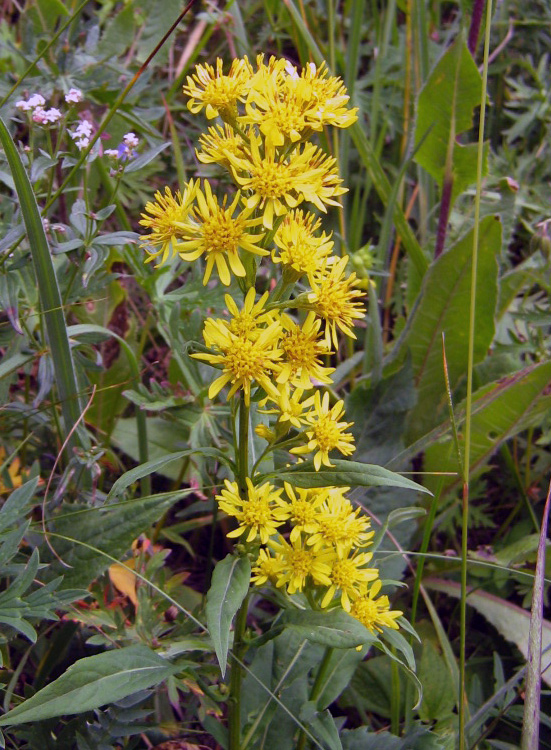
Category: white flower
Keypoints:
(23, 105)
(81, 135)
(131, 140)
(74, 96)
(112, 152)
(44, 116)
(36, 100)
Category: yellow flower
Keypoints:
(301, 509)
(328, 98)
(325, 432)
(247, 321)
(257, 515)
(375, 613)
(265, 569)
(165, 216)
(217, 142)
(213, 230)
(216, 92)
(301, 353)
(339, 525)
(287, 107)
(297, 564)
(280, 182)
(333, 298)
(288, 406)
(300, 250)
(347, 575)
(243, 359)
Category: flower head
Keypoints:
(340, 526)
(257, 514)
(265, 568)
(279, 183)
(166, 215)
(217, 93)
(217, 143)
(347, 575)
(324, 432)
(297, 565)
(73, 96)
(374, 613)
(244, 359)
(302, 351)
(212, 230)
(334, 298)
(299, 248)
(301, 509)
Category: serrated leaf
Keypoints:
(93, 682)
(343, 474)
(335, 629)
(230, 583)
(91, 531)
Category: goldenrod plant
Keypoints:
(275, 348)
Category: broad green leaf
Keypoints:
(500, 410)
(321, 724)
(92, 531)
(511, 621)
(13, 363)
(336, 629)
(50, 298)
(342, 474)
(419, 738)
(93, 682)
(438, 688)
(445, 109)
(230, 583)
(129, 477)
(442, 308)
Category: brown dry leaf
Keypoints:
(124, 580)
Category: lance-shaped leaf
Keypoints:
(442, 308)
(342, 474)
(336, 629)
(445, 110)
(230, 583)
(93, 682)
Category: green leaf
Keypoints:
(93, 682)
(50, 298)
(335, 629)
(511, 621)
(442, 309)
(157, 464)
(342, 474)
(438, 688)
(500, 410)
(445, 110)
(17, 504)
(321, 724)
(230, 583)
(91, 531)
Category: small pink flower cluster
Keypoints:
(35, 105)
(126, 149)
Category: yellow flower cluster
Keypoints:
(269, 112)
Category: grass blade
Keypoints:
(48, 290)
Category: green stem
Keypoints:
(317, 688)
(236, 677)
(243, 450)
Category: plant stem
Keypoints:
(236, 677)
(317, 688)
(243, 449)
